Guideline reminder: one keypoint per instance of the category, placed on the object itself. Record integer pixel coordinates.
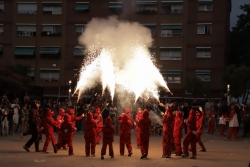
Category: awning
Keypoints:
(205, 72)
(79, 52)
(146, 3)
(49, 50)
(172, 2)
(205, 2)
(24, 51)
(115, 5)
(174, 72)
(171, 27)
(81, 6)
(52, 4)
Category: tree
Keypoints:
(239, 80)
(239, 39)
(196, 87)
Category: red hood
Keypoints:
(179, 114)
(61, 112)
(145, 114)
(108, 121)
(97, 110)
(192, 113)
(89, 116)
(71, 111)
(49, 112)
(67, 118)
(125, 117)
(127, 110)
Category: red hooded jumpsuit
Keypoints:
(90, 134)
(125, 133)
(199, 125)
(190, 137)
(144, 124)
(168, 127)
(48, 125)
(60, 119)
(108, 137)
(178, 126)
(99, 121)
(138, 117)
(66, 132)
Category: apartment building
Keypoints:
(190, 38)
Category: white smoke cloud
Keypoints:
(118, 55)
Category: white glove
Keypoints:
(194, 132)
(200, 108)
(82, 115)
(66, 130)
(134, 123)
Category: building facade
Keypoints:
(190, 38)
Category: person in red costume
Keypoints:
(90, 134)
(211, 120)
(127, 111)
(66, 132)
(138, 117)
(178, 126)
(125, 133)
(74, 118)
(190, 137)
(47, 126)
(60, 119)
(246, 120)
(168, 127)
(200, 117)
(233, 124)
(222, 122)
(99, 121)
(144, 125)
(108, 138)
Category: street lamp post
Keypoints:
(70, 89)
(228, 90)
(59, 81)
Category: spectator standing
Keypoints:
(4, 120)
(233, 124)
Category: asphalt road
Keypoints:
(219, 153)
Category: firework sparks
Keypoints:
(118, 55)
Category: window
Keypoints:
(27, 8)
(53, 8)
(1, 50)
(170, 53)
(205, 5)
(203, 75)
(171, 30)
(79, 51)
(24, 51)
(31, 74)
(51, 30)
(82, 7)
(50, 51)
(203, 52)
(28, 30)
(47, 74)
(115, 7)
(174, 76)
(172, 7)
(204, 28)
(1, 29)
(149, 7)
(152, 28)
(80, 28)
(1, 6)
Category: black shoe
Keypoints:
(168, 156)
(143, 155)
(55, 149)
(71, 154)
(163, 156)
(129, 154)
(203, 150)
(102, 157)
(26, 148)
(122, 154)
(93, 155)
(184, 155)
(193, 157)
(112, 156)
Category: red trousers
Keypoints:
(190, 138)
(47, 141)
(104, 147)
(177, 143)
(90, 147)
(124, 141)
(233, 130)
(222, 129)
(144, 143)
(138, 138)
(167, 141)
(65, 141)
(198, 140)
(98, 135)
(211, 126)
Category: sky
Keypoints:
(236, 10)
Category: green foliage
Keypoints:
(196, 87)
(239, 80)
